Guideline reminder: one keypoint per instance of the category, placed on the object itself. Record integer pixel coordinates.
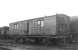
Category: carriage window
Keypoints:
(41, 23)
(16, 26)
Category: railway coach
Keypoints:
(44, 30)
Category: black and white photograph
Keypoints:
(38, 24)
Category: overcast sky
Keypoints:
(16, 10)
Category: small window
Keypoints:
(41, 23)
(16, 26)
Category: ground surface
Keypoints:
(8, 46)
